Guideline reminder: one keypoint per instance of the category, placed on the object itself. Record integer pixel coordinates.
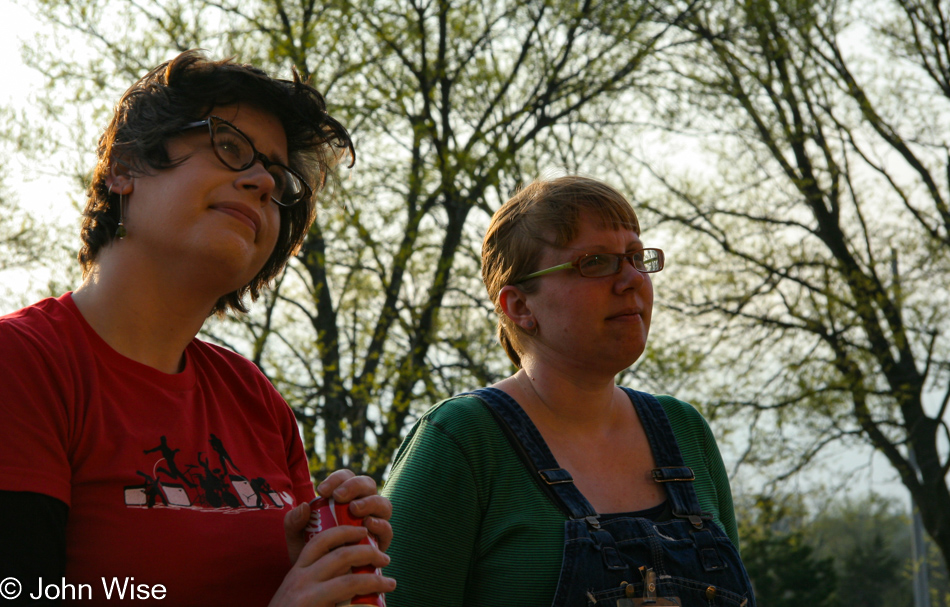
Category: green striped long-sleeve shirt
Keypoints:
(472, 528)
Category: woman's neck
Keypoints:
(140, 315)
(560, 400)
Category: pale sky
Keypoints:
(17, 84)
(15, 80)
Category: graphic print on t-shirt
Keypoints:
(213, 482)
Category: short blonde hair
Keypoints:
(543, 213)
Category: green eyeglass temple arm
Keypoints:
(563, 266)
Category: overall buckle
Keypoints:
(670, 474)
(556, 476)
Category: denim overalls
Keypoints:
(620, 560)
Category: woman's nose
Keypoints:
(629, 277)
(256, 177)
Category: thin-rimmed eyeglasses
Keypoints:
(597, 265)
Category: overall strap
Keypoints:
(677, 478)
(671, 470)
(528, 443)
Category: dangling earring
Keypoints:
(121, 232)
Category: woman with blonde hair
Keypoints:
(555, 486)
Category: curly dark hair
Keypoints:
(185, 90)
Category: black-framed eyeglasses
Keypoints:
(596, 265)
(235, 151)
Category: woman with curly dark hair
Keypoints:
(139, 459)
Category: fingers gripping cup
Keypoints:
(325, 514)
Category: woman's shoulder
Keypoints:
(689, 426)
(219, 356)
(221, 362)
(46, 320)
(458, 413)
(460, 425)
(682, 413)
(464, 420)
(48, 336)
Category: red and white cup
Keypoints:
(325, 514)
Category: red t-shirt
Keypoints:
(179, 480)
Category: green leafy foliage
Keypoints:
(451, 105)
(850, 552)
(816, 258)
(782, 566)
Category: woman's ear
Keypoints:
(120, 180)
(514, 304)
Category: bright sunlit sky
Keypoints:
(19, 24)
(46, 197)
(49, 199)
